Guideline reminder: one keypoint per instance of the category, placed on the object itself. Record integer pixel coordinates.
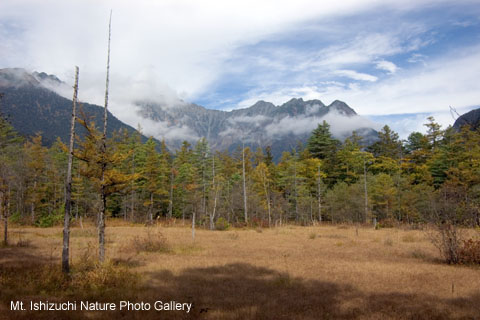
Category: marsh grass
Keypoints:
(152, 240)
(388, 242)
(240, 274)
(409, 238)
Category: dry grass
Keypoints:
(279, 273)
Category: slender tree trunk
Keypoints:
(204, 198)
(170, 204)
(319, 196)
(365, 189)
(212, 215)
(295, 188)
(267, 197)
(32, 205)
(193, 226)
(3, 212)
(245, 208)
(150, 215)
(5, 229)
(101, 218)
(132, 208)
(68, 184)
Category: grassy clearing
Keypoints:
(280, 273)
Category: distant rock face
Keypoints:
(260, 125)
(34, 107)
(471, 118)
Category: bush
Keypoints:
(469, 252)
(222, 224)
(15, 218)
(386, 223)
(448, 239)
(152, 241)
(50, 220)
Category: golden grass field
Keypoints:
(290, 272)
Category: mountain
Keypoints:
(32, 108)
(471, 118)
(260, 125)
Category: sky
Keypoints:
(395, 62)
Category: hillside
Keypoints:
(32, 108)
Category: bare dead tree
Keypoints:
(101, 216)
(245, 207)
(319, 195)
(68, 183)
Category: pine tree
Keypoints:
(321, 144)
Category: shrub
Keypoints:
(312, 235)
(15, 218)
(386, 223)
(418, 254)
(222, 224)
(50, 220)
(447, 238)
(152, 241)
(469, 252)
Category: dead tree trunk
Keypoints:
(170, 203)
(150, 214)
(32, 205)
(215, 190)
(365, 189)
(3, 213)
(101, 217)
(267, 197)
(193, 226)
(319, 196)
(68, 184)
(245, 207)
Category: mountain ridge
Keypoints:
(260, 125)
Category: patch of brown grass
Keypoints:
(279, 273)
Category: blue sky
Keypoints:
(408, 58)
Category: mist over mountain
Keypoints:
(31, 106)
(260, 125)
(32, 103)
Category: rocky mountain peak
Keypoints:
(17, 77)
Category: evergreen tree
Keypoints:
(321, 144)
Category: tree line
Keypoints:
(428, 176)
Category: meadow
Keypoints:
(288, 272)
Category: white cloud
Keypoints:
(388, 66)
(166, 50)
(340, 126)
(356, 75)
(256, 120)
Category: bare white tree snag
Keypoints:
(68, 183)
(267, 197)
(4, 205)
(319, 195)
(245, 208)
(215, 188)
(295, 186)
(101, 216)
(193, 226)
(365, 189)
(170, 202)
